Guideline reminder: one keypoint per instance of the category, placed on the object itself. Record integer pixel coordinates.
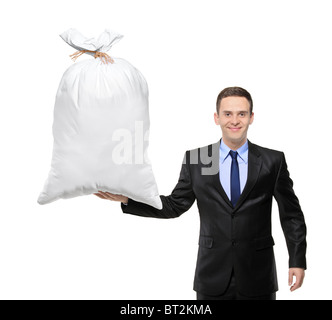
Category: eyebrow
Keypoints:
(232, 111)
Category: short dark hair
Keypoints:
(234, 92)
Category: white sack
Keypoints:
(100, 129)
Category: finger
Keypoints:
(100, 196)
(104, 194)
(121, 198)
(111, 195)
(296, 286)
(290, 277)
(116, 197)
(298, 283)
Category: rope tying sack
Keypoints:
(104, 57)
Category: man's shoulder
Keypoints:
(268, 155)
(264, 150)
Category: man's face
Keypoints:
(234, 119)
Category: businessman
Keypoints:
(234, 182)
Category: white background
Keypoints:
(85, 248)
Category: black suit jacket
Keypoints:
(236, 238)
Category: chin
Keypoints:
(237, 140)
(236, 137)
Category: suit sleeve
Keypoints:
(180, 200)
(291, 217)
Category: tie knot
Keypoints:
(233, 154)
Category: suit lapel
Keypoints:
(216, 178)
(221, 189)
(254, 167)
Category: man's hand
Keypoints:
(299, 277)
(112, 197)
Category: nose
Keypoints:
(235, 120)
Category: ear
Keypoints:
(251, 118)
(216, 119)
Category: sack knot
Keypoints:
(104, 57)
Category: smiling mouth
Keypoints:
(234, 129)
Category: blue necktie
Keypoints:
(235, 179)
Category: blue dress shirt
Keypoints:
(225, 162)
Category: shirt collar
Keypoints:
(242, 152)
